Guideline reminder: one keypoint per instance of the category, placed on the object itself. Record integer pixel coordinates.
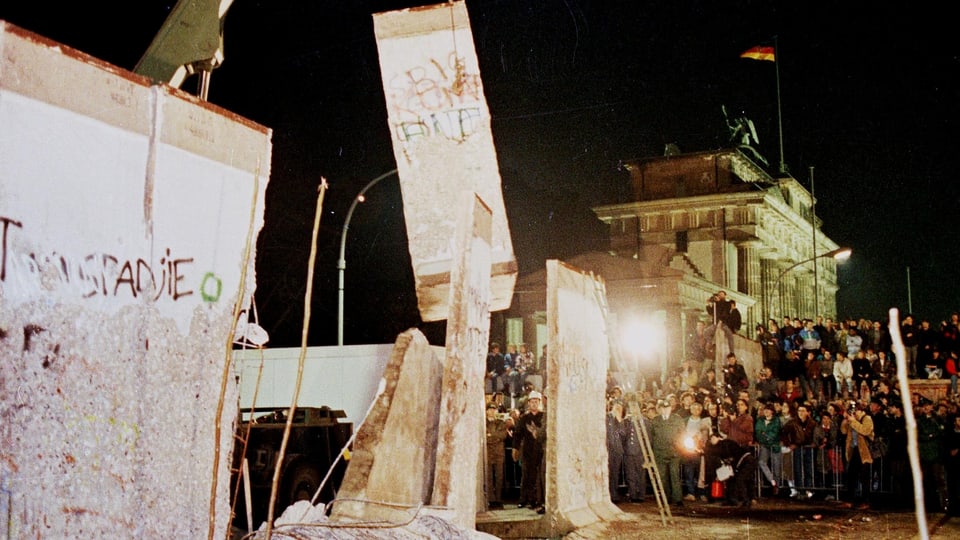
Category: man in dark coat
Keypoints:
(719, 308)
(734, 377)
(531, 433)
(615, 450)
(744, 467)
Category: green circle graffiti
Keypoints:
(207, 295)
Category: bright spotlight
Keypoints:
(642, 338)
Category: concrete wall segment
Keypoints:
(122, 260)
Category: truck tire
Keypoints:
(301, 483)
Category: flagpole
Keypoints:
(776, 67)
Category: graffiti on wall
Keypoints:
(436, 99)
(102, 274)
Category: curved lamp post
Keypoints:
(342, 261)
(840, 254)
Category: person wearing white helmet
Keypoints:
(531, 433)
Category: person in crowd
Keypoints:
(951, 369)
(843, 373)
(828, 384)
(883, 367)
(696, 344)
(615, 449)
(734, 320)
(521, 403)
(634, 471)
(884, 393)
(826, 437)
(708, 386)
(769, 339)
(689, 375)
(526, 361)
(792, 367)
(857, 426)
(787, 413)
(510, 356)
(767, 434)
(531, 432)
(494, 368)
(862, 374)
(790, 345)
(695, 436)
(874, 337)
(511, 475)
(854, 342)
(734, 376)
(928, 339)
(932, 366)
(828, 336)
(809, 339)
(496, 431)
(881, 434)
(498, 402)
(949, 337)
(799, 432)
(712, 409)
(908, 333)
(738, 424)
(666, 432)
(744, 463)
(930, 440)
(790, 393)
(718, 310)
(766, 385)
(810, 378)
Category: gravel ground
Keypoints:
(770, 518)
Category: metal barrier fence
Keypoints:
(819, 471)
(823, 470)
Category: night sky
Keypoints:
(869, 101)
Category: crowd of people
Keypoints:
(825, 414)
(823, 417)
(515, 426)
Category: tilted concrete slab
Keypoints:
(395, 449)
(443, 144)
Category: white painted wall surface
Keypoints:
(128, 216)
(339, 377)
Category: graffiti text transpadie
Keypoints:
(99, 274)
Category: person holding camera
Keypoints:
(734, 376)
(857, 426)
(738, 424)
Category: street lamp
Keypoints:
(840, 254)
(342, 261)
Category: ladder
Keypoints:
(639, 426)
(649, 464)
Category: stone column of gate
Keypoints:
(752, 277)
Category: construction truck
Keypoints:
(317, 437)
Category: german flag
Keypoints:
(760, 52)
